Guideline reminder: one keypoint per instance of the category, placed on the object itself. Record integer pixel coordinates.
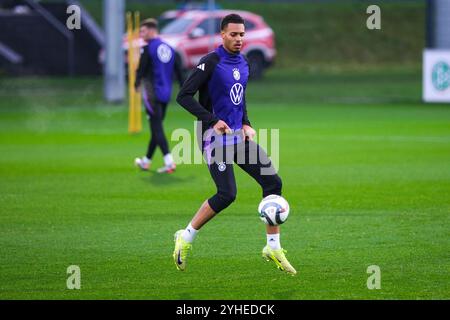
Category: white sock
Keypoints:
(189, 233)
(168, 159)
(146, 160)
(273, 241)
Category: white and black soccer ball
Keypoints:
(273, 210)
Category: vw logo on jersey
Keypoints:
(164, 53)
(236, 93)
(236, 74)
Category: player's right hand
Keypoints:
(221, 127)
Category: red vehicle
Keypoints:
(189, 35)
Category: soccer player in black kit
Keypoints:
(157, 65)
(221, 79)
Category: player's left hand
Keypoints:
(248, 132)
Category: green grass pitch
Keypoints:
(365, 167)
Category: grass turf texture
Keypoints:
(365, 168)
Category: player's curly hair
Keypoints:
(231, 18)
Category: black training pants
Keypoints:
(156, 112)
(251, 158)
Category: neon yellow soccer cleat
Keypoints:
(279, 258)
(180, 253)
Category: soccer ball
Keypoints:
(273, 210)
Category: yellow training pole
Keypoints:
(131, 75)
(137, 54)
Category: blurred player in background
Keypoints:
(154, 75)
